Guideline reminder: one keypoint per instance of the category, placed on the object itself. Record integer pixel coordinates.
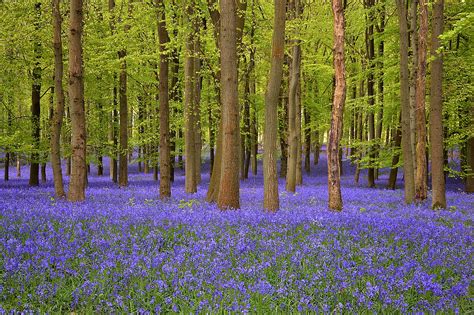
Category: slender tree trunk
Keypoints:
(335, 133)
(253, 149)
(197, 79)
(307, 140)
(299, 152)
(190, 124)
(228, 197)
(316, 148)
(246, 118)
(408, 171)
(283, 125)
(371, 91)
(436, 114)
(292, 108)
(35, 101)
(59, 108)
(123, 122)
(76, 96)
(165, 183)
(421, 187)
(392, 179)
(175, 96)
(271, 200)
(469, 186)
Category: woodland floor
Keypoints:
(123, 250)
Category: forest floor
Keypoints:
(124, 250)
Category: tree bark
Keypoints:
(408, 171)
(335, 133)
(123, 122)
(371, 91)
(271, 200)
(59, 108)
(190, 125)
(392, 179)
(307, 140)
(228, 197)
(35, 101)
(421, 187)
(165, 183)
(436, 115)
(76, 95)
(292, 107)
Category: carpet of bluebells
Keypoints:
(124, 250)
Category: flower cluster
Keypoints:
(124, 250)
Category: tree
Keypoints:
(190, 117)
(229, 182)
(436, 114)
(335, 133)
(165, 184)
(408, 170)
(271, 200)
(36, 100)
(59, 108)
(123, 118)
(369, 34)
(76, 96)
(421, 187)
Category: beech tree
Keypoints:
(335, 133)
(436, 111)
(229, 183)
(77, 182)
(59, 108)
(270, 177)
(421, 187)
(165, 184)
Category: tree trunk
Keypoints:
(413, 42)
(436, 114)
(35, 101)
(190, 124)
(408, 171)
(335, 133)
(270, 178)
(292, 107)
(123, 122)
(59, 108)
(76, 95)
(283, 125)
(197, 79)
(421, 187)
(165, 183)
(371, 91)
(307, 140)
(228, 197)
(299, 152)
(392, 179)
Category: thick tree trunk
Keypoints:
(335, 133)
(271, 200)
(76, 95)
(436, 114)
(165, 183)
(408, 171)
(59, 108)
(421, 187)
(413, 43)
(228, 197)
(35, 101)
